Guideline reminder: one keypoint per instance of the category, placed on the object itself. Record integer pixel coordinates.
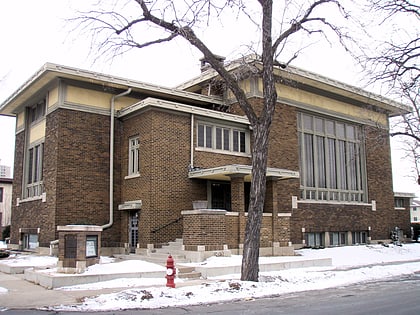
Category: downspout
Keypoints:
(192, 144)
(111, 160)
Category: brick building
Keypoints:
(5, 202)
(329, 175)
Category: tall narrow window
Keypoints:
(331, 160)
(133, 156)
(34, 184)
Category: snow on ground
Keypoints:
(351, 264)
(18, 260)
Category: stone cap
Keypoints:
(79, 228)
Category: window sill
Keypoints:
(400, 208)
(199, 149)
(42, 197)
(333, 202)
(132, 176)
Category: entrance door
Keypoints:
(133, 231)
(220, 196)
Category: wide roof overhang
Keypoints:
(50, 72)
(309, 80)
(226, 172)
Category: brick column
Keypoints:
(271, 203)
(238, 203)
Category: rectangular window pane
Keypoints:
(209, 137)
(332, 173)
(200, 136)
(329, 127)
(319, 125)
(343, 238)
(218, 138)
(341, 165)
(235, 141)
(350, 132)
(321, 162)
(339, 130)
(36, 164)
(309, 161)
(226, 145)
(242, 141)
(307, 122)
(133, 156)
(30, 165)
(352, 166)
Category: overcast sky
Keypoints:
(35, 32)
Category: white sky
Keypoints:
(350, 265)
(35, 32)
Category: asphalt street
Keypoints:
(395, 296)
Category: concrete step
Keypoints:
(169, 251)
(185, 269)
(190, 275)
(185, 272)
(161, 260)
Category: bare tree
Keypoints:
(395, 63)
(156, 22)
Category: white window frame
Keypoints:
(331, 159)
(34, 186)
(359, 237)
(133, 156)
(222, 138)
(315, 239)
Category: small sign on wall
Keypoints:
(91, 246)
(70, 246)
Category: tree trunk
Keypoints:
(250, 269)
(261, 130)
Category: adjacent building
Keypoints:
(5, 202)
(133, 158)
(415, 211)
(5, 171)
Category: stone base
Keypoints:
(270, 251)
(80, 267)
(201, 255)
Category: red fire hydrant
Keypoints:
(170, 272)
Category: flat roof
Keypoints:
(50, 71)
(311, 79)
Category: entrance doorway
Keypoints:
(221, 196)
(133, 230)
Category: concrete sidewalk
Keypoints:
(38, 291)
(23, 294)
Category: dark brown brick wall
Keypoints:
(75, 172)
(204, 229)
(17, 214)
(33, 214)
(379, 172)
(232, 231)
(163, 184)
(82, 184)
